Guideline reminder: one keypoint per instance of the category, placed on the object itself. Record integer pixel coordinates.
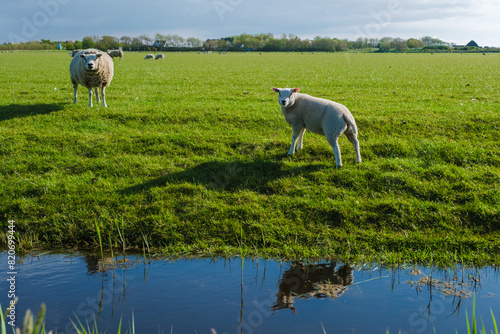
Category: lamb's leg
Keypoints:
(97, 94)
(75, 89)
(300, 139)
(296, 134)
(90, 97)
(292, 147)
(354, 140)
(103, 97)
(333, 141)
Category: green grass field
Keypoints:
(190, 157)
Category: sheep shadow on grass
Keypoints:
(228, 176)
(12, 111)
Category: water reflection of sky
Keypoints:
(191, 296)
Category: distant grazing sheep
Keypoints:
(324, 117)
(93, 69)
(74, 52)
(115, 53)
(160, 56)
(149, 56)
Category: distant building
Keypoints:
(472, 43)
(159, 44)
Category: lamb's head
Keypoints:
(286, 98)
(91, 61)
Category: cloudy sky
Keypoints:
(457, 21)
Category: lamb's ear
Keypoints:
(82, 55)
(295, 90)
(276, 90)
(99, 55)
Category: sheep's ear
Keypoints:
(276, 90)
(82, 55)
(99, 55)
(295, 90)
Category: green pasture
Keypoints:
(190, 157)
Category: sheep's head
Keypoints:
(286, 97)
(91, 61)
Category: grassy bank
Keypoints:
(189, 157)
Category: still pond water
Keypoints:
(250, 296)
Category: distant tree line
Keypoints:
(253, 42)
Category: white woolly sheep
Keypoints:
(149, 56)
(74, 52)
(115, 53)
(324, 117)
(160, 56)
(93, 69)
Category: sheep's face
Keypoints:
(285, 96)
(91, 61)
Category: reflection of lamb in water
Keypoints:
(312, 281)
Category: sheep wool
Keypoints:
(160, 56)
(115, 53)
(93, 69)
(74, 52)
(324, 117)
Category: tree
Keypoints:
(126, 41)
(68, 46)
(107, 42)
(136, 43)
(360, 43)
(415, 43)
(145, 39)
(194, 42)
(161, 38)
(399, 44)
(430, 41)
(210, 44)
(88, 43)
(176, 41)
(385, 45)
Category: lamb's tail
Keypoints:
(351, 123)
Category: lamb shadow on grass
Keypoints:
(12, 111)
(228, 176)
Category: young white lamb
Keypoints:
(115, 53)
(149, 56)
(324, 117)
(160, 56)
(93, 69)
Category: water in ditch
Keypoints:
(247, 296)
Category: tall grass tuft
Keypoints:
(494, 322)
(474, 329)
(100, 239)
(28, 327)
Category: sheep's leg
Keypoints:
(292, 148)
(355, 143)
(96, 94)
(75, 89)
(300, 139)
(103, 97)
(297, 133)
(333, 141)
(90, 97)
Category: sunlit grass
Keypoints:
(189, 157)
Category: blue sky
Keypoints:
(457, 21)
